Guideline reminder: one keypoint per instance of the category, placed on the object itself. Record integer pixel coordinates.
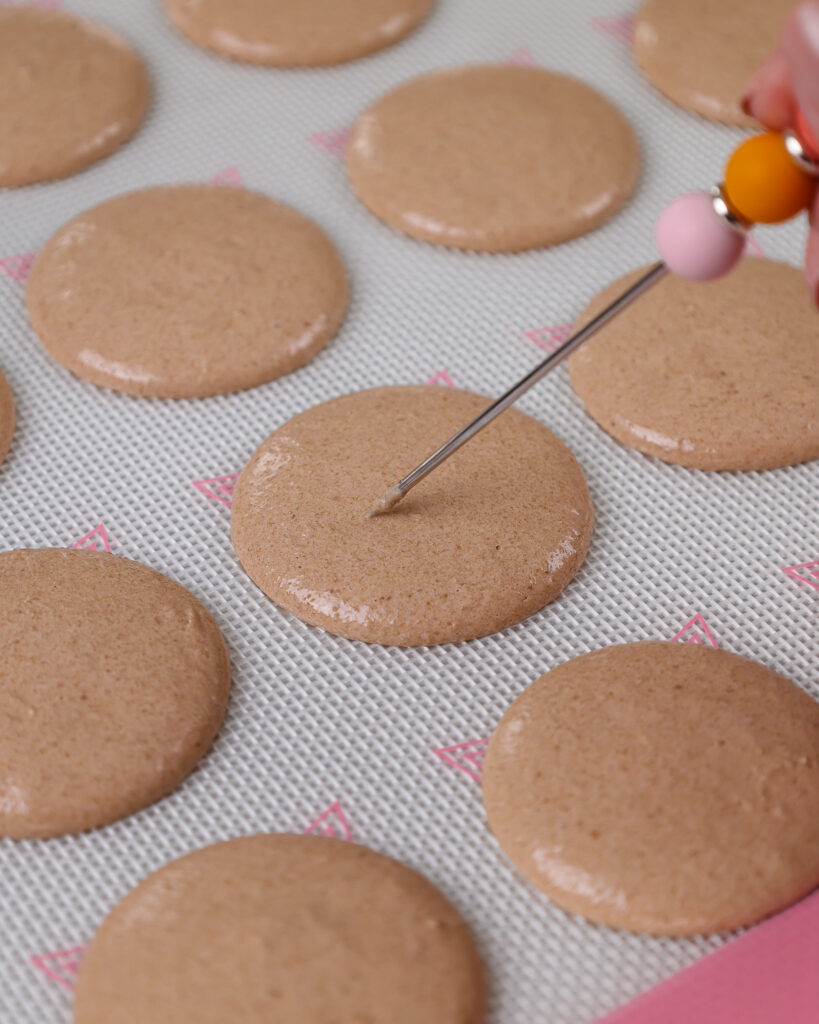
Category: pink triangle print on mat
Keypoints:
(61, 966)
(766, 976)
(522, 58)
(696, 631)
(807, 572)
(618, 26)
(752, 247)
(441, 378)
(94, 540)
(218, 488)
(17, 267)
(333, 140)
(331, 823)
(229, 176)
(550, 338)
(465, 757)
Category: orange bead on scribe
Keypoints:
(763, 184)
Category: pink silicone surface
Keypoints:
(770, 975)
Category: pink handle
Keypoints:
(770, 975)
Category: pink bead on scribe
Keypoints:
(694, 241)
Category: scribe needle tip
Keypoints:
(387, 503)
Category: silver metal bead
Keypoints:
(798, 154)
(722, 209)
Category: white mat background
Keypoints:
(315, 719)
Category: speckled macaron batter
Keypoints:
(489, 538)
(493, 157)
(701, 53)
(661, 787)
(186, 291)
(7, 418)
(113, 683)
(289, 33)
(72, 92)
(715, 376)
(285, 929)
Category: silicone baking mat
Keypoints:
(381, 744)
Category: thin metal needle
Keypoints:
(396, 493)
